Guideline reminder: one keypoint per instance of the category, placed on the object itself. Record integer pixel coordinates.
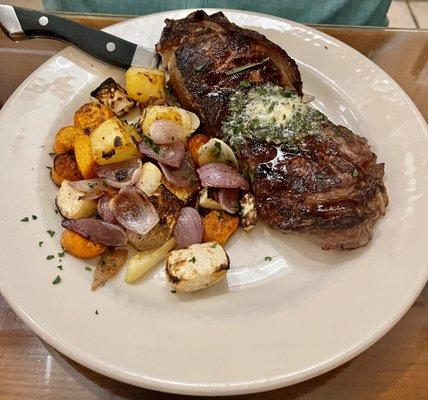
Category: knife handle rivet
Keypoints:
(110, 46)
(43, 21)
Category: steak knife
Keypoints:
(22, 23)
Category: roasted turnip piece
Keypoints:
(71, 205)
(108, 266)
(248, 212)
(168, 207)
(197, 267)
(111, 94)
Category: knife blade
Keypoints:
(21, 23)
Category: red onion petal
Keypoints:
(121, 174)
(86, 185)
(98, 231)
(133, 210)
(228, 199)
(221, 176)
(169, 154)
(183, 176)
(104, 210)
(166, 132)
(189, 229)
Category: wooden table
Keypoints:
(396, 367)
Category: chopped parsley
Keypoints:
(355, 173)
(56, 211)
(244, 83)
(40, 244)
(214, 245)
(34, 217)
(192, 260)
(217, 148)
(25, 219)
(96, 312)
(173, 291)
(56, 280)
(49, 168)
(50, 257)
(268, 258)
(59, 267)
(51, 154)
(62, 254)
(88, 268)
(50, 232)
(152, 144)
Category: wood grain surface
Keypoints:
(396, 367)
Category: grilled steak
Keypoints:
(308, 175)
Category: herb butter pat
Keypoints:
(268, 113)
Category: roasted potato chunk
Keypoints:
(197, 267)
(79, 246)
(65, 168)
(188, 120)
(143, 84)
(112, 95)
(64, 139)
(113, 142)
(71, 206)
(219, 226)
(91, 115)
(84, 158)
(183, 193)
(108, 266)
(168, 207)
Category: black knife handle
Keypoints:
(103, 46)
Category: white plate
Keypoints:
(272, 323)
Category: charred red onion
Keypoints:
(221, 176)
(169, 154)
(228, 199)
(86, 185)
(98, 231)
(133, 210)
(121, 174)
(166, 132)
(188, 230)
(104, 210)
(183, 176)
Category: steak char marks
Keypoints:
(327, 185)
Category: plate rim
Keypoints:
(242, 387)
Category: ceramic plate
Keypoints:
(272, 322)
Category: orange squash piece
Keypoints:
(219, 226)
(79, 246)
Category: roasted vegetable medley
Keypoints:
(158, 184)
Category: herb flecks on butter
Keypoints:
(269, 113)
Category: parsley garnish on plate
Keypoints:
(25, 219)
(56, 280)
(96, 312)
(50, 257)
(34, 217)
(40, 244)
(88, 268)
(59, 267)
(61, 255)
(192, 260)
(50, 232)
(268, 258)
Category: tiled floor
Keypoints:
(402, 13)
